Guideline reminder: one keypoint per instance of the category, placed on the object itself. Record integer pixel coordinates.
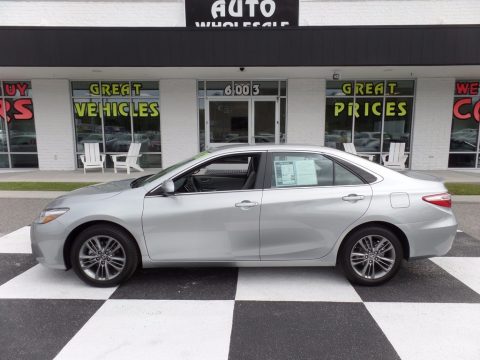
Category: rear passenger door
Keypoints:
(308, 202)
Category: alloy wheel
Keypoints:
(372, 257)
(102, 257)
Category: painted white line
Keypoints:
(155, 329)
(460, 231)
(465, 269)
(294, 284)
(430, 331)
(16, 242)
(40, 282)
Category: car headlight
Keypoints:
(48, 215)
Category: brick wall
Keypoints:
(93, 13)
(172, 12)
(53, 124)
(432, 123)
(388, 12)
(179, 128)
(306, 111)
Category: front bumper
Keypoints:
(47, 243)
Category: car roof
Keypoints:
(369, 165)
(272, 147)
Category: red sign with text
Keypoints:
(15, 108)
(466, 108)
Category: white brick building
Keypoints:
(369, 72)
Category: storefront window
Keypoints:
(18, 142)
(371, 114)
(464, 141)
(115, 114)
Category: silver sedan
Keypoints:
(268, 205)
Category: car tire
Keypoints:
(104, 255)
(371, 256)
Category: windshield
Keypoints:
(148, 179)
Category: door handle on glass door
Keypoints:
(353, 197)
(245, 204)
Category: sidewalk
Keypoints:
(461, 176)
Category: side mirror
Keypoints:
(168, 187)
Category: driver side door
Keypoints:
(217, 218)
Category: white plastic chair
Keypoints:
(350, 148)
(92, 158)
(131, 159)
(396, 158)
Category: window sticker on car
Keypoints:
(295, 173)
(306, 173)
(285, 174)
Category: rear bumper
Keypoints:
(47, 244)
(428, 239)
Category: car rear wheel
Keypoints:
(371, 256)
(104, 256)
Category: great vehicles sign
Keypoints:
(115, 99)
(241, 13)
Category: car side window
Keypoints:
(228, 173)
(345, 177)
(301, 169)
(309, 169)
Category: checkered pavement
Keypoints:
(431, 310)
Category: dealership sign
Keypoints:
(116, 107)
(468, 107)
(373, 105)
(241, 13)
(14, 105)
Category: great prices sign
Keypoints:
(467, 100)
(364, 107)
(241, 13)
(14, 103)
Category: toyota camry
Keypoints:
(267, 205)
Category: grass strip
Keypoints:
(463, 188)
(42, 186)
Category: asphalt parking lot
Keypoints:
(431, 310)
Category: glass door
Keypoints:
(227, 122)
(265, 122)
(241, 121)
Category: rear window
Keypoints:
(359, 172)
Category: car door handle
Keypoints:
(245, 204)
(353, 197)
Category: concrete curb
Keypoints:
(465, 199)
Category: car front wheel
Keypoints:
(371, 256)
(104, 256)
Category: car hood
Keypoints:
(97, 192)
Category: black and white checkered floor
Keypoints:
(431, 310)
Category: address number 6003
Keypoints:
(241, 89)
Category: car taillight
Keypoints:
(444, 199)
